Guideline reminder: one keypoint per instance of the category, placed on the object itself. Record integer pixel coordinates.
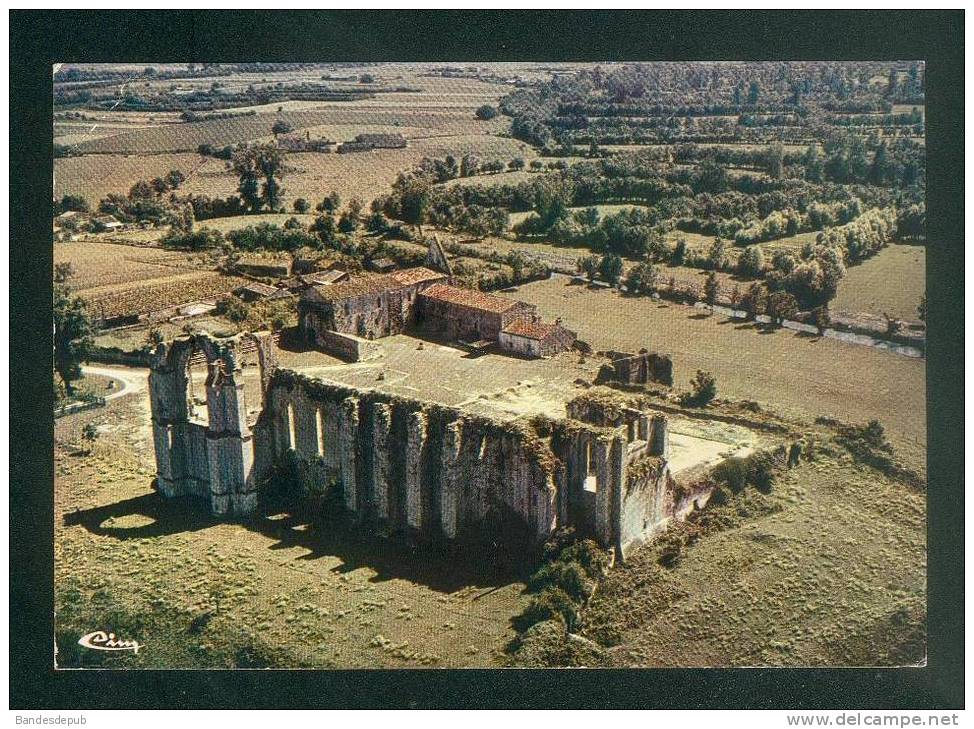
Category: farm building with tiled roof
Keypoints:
(467, 314)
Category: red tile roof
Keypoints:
(529, 329)
(470, 298)
(410, 276)
(358, 285)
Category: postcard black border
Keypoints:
(39, 38)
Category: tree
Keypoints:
(641, 279)
(141, 190)
(366, 78)
(735, 296)
(324, 227)
(73, 335)
(469, 165)
(71, 203)
(711, 290)
(517, 262)
(62, 272)
(415, 198)
(703, 389)
(711, 177)
(89, 434)
(301, 206)
(516, 164)
(751, 262)
(347, 224)
(753, 301)
(879, 171)
(717, 256)
(174, 178)
(589, 265)
(814, 167)
(776, 161)
(610, 268)
(354, 209)
(753, 93)
(679, 252)
(486, 112)
(281, 127)
(922, 308)
(263, 161)
(781, 306)
(245, 166)
(330, 204)
(821, 318)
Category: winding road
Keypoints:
(133, 380)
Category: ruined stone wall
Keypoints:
(213, 460)
(413, 467)
(406, 465)
(638, 369)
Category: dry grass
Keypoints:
(829, 570)
(786, 371)
(99, 265)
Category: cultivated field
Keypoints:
(143, 297)
(104, 266)
(94, 176)
(785, 371)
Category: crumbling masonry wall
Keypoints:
(407, 466)
(637, 369)
(215, 459)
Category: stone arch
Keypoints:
(215, 459)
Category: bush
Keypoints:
(732, 473)
(755, 470)
(233, 309)
(760, 471)
(569, 577)
(703, 389)
(486, 112)
(550, 603)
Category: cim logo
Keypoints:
(102, 641)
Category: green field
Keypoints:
(892, 282)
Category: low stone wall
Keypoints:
(114, 355)
(344, 346)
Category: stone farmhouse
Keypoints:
(372, 305)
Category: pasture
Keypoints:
(787, 372)
(892, 281)
(827, 570)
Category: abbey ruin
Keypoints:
(406, 466)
